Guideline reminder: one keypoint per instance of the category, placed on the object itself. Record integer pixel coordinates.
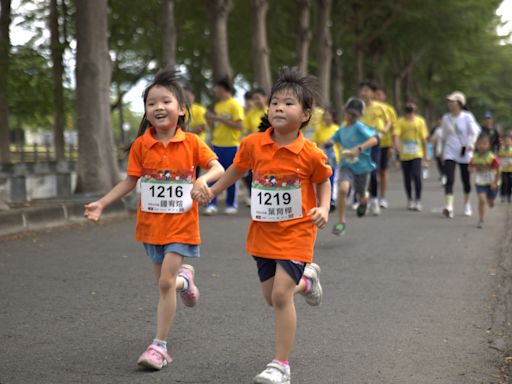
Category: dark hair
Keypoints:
(169, 79)
(370, 84)
(483, 136)
(226, 84)
(248, 95)
(304, 87)
(258, 91)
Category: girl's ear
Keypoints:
(306, 115)
(182, 110)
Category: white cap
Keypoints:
(457, 96)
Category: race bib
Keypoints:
(410, 148)
(165, 196)
(484, 178)
(276, 198)
(506, 161)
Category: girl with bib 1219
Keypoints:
(164, 158)
(284, 211)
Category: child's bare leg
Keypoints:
(481, 205)
(167, 282)
(342, 200)
(284, 312)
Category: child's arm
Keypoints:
(93, 210)
(356, 151)
(200, 189)
(498, 174)
(229, 177)
(320, 215)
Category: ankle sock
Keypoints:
(308, 283)
(282, 362)
(185, 283)
(160, 343)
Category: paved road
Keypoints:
(409, 298)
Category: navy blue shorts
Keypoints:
(384, 158)
(267, 268)
(488, 191)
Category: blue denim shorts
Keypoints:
(156, 252)
(267, 268)
(488, 191)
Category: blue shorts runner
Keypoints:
(156, 252)
(489, 192)
(267, 268)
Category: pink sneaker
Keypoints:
(155, 357)
(191, 295)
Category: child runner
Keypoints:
(324, 131)
(486, 168)
(410, 138)
(355, 139)
(164, 157)
(284, 210)
(505, 155)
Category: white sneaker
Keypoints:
(411, 205)
(210, 210)
(355, 206)
(230, 211)
(383, 203)
(374, 208)
(274, 373)
(448, 212)
(418, 207)
(467, 210)
(314, 295)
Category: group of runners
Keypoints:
(290, 182)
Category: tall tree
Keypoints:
(304, 35)
(260, 48)
(57, 52)
(97, 167)
(218, 13)
(324, 49)
(169, 34)
(5, 47)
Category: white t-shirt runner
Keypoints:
(459, 131)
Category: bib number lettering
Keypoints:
(165, 196)
(273, 205)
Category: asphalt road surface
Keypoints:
(408, 298)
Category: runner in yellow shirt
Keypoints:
(326, 129)
(410, 136)
(197, 120)
(376, 117)
(227, 120)
(386, 146)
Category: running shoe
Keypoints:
(155, 357)
(418, 207)
(274, 373)
(361, 210)
(448, 212)
(374, 208)
(339, 229)
(210, 210)
(480, 224)
(383, 203)
(355, 206)
(191, 295)
(467, 210)
(314, 295)
(411, 205)
(230, 211)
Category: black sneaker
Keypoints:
(361, 210)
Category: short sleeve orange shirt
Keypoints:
(292, 239)
(182, 155)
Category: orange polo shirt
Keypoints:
(181, 156)
(292, 239)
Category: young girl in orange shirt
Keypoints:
(284, 211)
(164, 158)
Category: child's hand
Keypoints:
(320, 216)
(201, 192)
(93, 211)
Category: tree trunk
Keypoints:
(218, 13)
(397, 92)
(359, 63)
(57, 50)
(338, 84)
(304, 35)
(324, 49)
(97, 167)
(5, 47)
(169, 35)
(260, 48)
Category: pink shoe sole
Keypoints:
(189, 297)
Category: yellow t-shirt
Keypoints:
(197, 118)
(375, 116)
(252, 120)
(323, 133)
(316, 118)
(411, 135)
(224, 135)
(505, 156)
(386, 140)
